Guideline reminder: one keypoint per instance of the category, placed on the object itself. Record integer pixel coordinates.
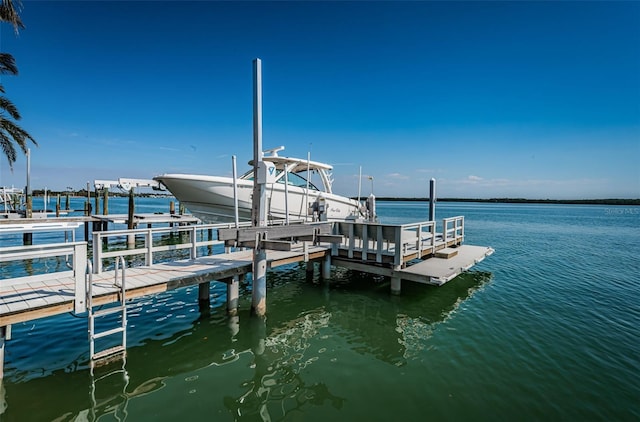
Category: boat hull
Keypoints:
(210, 198)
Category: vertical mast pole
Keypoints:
(258, 217)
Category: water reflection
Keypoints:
(277, 386)
(278, 363)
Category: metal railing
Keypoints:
(76, 250)
(381, 240)
(453, 229)
(198, 236)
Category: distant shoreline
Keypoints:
(607, 201)
(610, 201)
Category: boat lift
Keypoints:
(128, 184)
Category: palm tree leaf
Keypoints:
(8, 64)
(9, 107)
(7, 149)
(16, 133)
(9, 14)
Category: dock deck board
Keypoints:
(37, 299)
(438, 271)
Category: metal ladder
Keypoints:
(115, 404)
(121, 307)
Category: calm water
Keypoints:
(546, 328)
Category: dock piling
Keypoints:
(432, 200)
(204, 290)
(258, 206)
(233, 293)
(396, 285)
(310, 269)
(325, 272)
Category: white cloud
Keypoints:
(398, 176)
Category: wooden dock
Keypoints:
(413, 252)
(34, 297)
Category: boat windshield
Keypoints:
(294, 179)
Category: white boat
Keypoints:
(211, 198)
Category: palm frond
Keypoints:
(8, 64)
(8, 13)
(7, 106)
(7, 149)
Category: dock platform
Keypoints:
(441, 269)
(35, 297)
(84, 278)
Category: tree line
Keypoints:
(605, 201)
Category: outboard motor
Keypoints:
(371, 208)
(318, 209)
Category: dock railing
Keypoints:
(199, 235)
(375, 241)
(76, 265)
(453, 229)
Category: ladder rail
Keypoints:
(119, 281)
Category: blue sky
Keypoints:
(517, 99)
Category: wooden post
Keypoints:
(105, 210)
(131, 239)
(258, 215)
(432, 200)
(86, 223)
(97, 225)
(97, 199)
(204, 290)
(172, 210)
(309, 271)
(58, 206)
(27, 239)
(105, 201)
(66, 203)
(29, 207)
(233, 293)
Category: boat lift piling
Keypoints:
(259, 289)
(432, 200)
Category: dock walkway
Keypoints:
(34, 297)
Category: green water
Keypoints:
(546, 328)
